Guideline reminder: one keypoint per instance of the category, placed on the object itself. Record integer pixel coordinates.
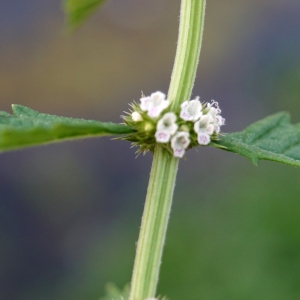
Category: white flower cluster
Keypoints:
(209, 123)
(194, 118)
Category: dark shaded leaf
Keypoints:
(26, 127)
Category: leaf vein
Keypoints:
(259, 137)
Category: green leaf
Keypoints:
(273, 138)
(113, 292)
(26, 127)
(78, 11)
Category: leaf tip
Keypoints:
(255, 161)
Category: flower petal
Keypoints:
(179, 142)
(145, 103)
(162, 136)
(168, 123)
(203, 138)
(191, 110)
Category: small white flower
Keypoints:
(214, 112)
(203, 123)
(136, 117)
(191, 110)
(168, 122)
(154, 104)
(166, 127)
(220, 121)
(179, 142)
(204, 128)
(162, 136)
(203, 138)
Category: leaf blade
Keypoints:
(78, 11)
(273, 138)
(27, 127)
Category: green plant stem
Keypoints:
(191, 27)
(154, 225)
(164, 166)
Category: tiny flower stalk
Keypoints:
(164, 166)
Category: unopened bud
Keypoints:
(136, 117)
(148, 126)
(184, 128)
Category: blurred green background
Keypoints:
(70, 213)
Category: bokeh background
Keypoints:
(70, 213)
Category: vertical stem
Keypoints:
(154, 225)
(191, 27)
(164, 167)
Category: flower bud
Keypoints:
(136, 117)
(184, 127)
(148, 126)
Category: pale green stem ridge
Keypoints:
(188, 51)
(154, 225)
(164, 167)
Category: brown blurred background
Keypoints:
(70, 213)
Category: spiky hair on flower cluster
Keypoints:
(193, 124)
